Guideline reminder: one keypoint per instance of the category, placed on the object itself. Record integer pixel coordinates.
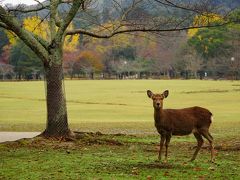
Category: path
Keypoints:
(13, 136)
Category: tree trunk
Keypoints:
(57, 122)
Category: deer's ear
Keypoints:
(165, 93)
(149, 93)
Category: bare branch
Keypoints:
(3, 25)
(27, 9)
(39, 3)
(96, 35)
(72, 12)
(43, 42)
(134, 4)
(52, 22)
(178, 6)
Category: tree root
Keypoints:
(69, 136)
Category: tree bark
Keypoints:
(57, 121)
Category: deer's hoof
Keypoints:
(191, 160)
(165, 161)
(212, 161)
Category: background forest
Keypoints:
(195, 53)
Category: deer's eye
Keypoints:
(154, 99)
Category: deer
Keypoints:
(181, 122)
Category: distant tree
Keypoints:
(5, 68)
(6, 71)
(234, 32)
(24, 61)
(89, 62)
(203, 19)
(3, 39)
(211, 43)
(4, 56)
(217, 45)
(69, 62)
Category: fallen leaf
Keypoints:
(211, 168)
(149, 177)
(197, 169)
(166, 173)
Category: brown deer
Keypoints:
(168, 122)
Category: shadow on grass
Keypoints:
(158, 165)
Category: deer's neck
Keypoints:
(158, 115)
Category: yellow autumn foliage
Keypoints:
(11, 37)
(120, 40)
(71, 42)
(203, 20)
(40, 28)
(36, 26)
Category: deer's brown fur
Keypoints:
(168, 122)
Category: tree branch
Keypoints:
(3, 25)
(23, 9)
(13, 24)
(43, 42)
(52, 21)
(92, 34)
(134, 4)
(171, 4)
(72, 12)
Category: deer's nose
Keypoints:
(158, 104)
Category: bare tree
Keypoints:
(124, 20)
(5, 69)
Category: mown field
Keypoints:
(116, 106)
(121, 108)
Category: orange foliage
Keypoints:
(91, 58)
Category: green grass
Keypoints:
(118, 105)
(131, 160)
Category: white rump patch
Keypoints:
(212, 118)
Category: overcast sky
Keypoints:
(14, 2)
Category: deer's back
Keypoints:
(184, 121)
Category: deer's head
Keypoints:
(157, 98)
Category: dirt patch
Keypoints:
(206, 91)
(21, 98)
(138, 91)
(236, 89)
(220, 146)
(82, 139)
(69, 101)
(81, 102)
(234, 146)
(157, 165)
(210, 91)
(90, 138)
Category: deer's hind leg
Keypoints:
(199, 144)
(209, 137)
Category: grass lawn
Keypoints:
(118, 107)
(113, 106)
(112, 157)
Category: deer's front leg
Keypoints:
(168, 138)
(162, 140)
